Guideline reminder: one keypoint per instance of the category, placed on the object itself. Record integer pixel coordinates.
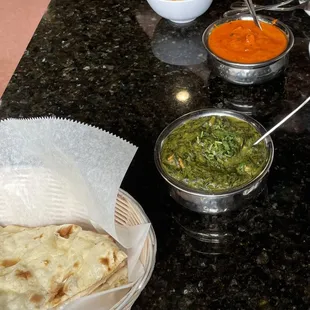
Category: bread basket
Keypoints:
(128, 212)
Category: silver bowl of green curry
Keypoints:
(209, 161)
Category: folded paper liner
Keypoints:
(57, 171)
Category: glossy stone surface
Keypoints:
(118, 66)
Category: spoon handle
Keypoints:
(231, 13)
(281, 122)
(252, 10)
(240, 4)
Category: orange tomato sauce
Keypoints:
(243, 42)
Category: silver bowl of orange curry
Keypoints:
(208, 159)
(243, 54)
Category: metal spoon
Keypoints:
(238, 7)
(241, 4)
(252, 10)
(281, 122)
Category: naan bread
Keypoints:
(44, 267)
(120, 277)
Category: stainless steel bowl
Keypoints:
(200, 201)
(249, 74)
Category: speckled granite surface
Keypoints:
(115, 65)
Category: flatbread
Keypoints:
(117, 279)
(44, 267)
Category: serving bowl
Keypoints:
(180, 11)
(201, 201)
(244, 73)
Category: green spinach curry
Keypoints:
(214, 153)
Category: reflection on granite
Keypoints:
(178, 44)
(101, 62)
(215, 233)
(250, 100)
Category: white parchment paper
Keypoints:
(56, 171)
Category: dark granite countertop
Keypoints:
(116, 65)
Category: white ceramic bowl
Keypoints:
(180, 11)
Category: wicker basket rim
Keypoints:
(127, 301)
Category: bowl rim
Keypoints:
(204, 113)
(242, 16)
